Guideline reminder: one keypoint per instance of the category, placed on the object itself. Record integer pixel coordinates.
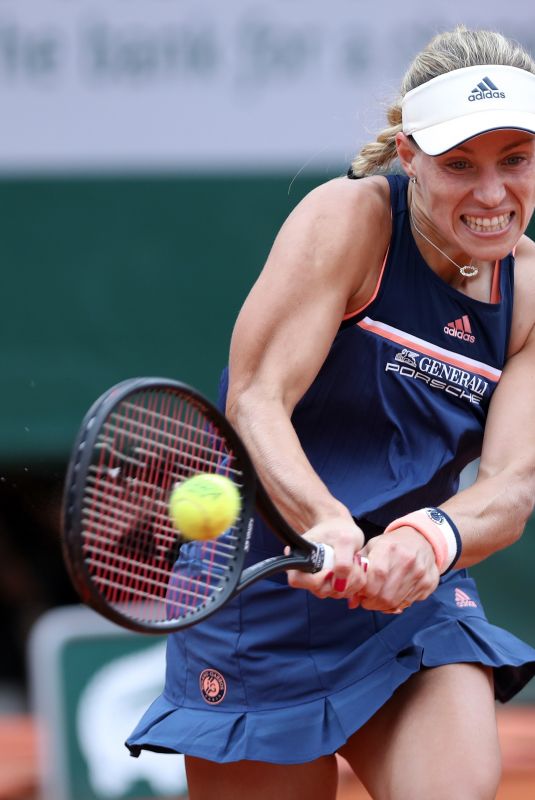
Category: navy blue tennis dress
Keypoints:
(396, 412)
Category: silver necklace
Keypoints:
(467, 271)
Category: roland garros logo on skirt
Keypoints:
(213, 686)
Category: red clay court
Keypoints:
(19, 778)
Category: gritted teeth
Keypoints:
(487, 224)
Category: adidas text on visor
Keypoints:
(454, 107)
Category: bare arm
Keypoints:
(492, 513)
(318, 267)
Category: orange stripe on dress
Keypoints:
(495, 294)
(414, 343)
(375, 291)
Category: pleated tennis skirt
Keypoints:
(283, 677)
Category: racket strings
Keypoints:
(127, 579)
(178, 607)
(133, 552)
(167, 537)
(205, 454)
(154, 570)
(148, 581)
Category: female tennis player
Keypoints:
(389, 341)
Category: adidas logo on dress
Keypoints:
(485, 90)
(460, 329)
(463, 600)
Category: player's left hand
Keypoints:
(401, 570)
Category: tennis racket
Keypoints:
(126, 558)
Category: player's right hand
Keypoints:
(347, 576)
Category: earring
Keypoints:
(414, 179)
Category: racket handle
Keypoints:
(328, 559)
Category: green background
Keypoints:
(107, 278)
(110, 278)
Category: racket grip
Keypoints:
(328, 559)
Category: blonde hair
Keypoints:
(446, 52)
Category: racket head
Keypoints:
(124, 555)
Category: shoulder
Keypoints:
(346, 225)
(524, 301)
(525, 252)
(355, 202)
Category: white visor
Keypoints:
(454, 107)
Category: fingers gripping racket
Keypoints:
(126, 558)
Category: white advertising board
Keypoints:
(195, 85)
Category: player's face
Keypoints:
(478, 198)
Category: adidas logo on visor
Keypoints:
(485, 90)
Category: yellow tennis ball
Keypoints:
(204, 506)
